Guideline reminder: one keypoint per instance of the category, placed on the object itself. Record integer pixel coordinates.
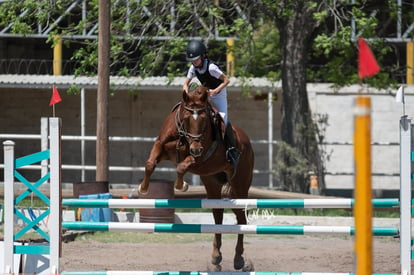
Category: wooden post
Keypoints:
(102, 140)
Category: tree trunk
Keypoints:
(297, 129)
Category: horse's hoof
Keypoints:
(141, 192)
(238, 263)
(217, 268)
(184, 188)
(248, 267)
(214, 268)
(216, 260)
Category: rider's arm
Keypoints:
(225, 81)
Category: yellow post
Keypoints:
(410, 62)
(57, 55)
(230, 57)
(363, 204)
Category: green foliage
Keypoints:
(294, 164)
(73, 90)
(257, 51)
(88, 58)
(289, 165)
(134, 24)
(340, 52)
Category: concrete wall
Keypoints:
(386, 112)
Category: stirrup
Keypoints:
(232, 156)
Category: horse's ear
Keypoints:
(185, 96)
(205, 95)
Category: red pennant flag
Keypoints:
(55, 97)
(367, 65)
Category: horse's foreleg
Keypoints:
(149, 167)
(182, 168)
(238, 257)
(216, 256)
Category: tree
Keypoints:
(295, 22)
(325, 26)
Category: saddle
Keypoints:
(219, 127)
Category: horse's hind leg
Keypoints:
(238, 257)
(216, 256)
(239, 190)
(150, 166)
(213, 188)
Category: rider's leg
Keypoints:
(232, 154)
(220, 102)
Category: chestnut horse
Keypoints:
(189, 139)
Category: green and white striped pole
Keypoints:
(221, 228)
(225, 203)
(104, 272)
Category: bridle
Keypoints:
(179, 123)
(183, 133)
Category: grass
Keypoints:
(133, 237)
(177, 238)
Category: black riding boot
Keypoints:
(232, 154)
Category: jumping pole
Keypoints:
(225, 203)
(363, 206)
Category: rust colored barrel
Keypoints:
(160, 189)
(86, 188)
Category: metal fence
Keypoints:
(83, 167)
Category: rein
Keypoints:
(183, 134)
(180, 126)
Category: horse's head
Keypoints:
(195, 119)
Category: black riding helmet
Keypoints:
(195, 49)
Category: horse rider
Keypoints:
(210, 76)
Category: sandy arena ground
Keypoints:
(320, 253)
